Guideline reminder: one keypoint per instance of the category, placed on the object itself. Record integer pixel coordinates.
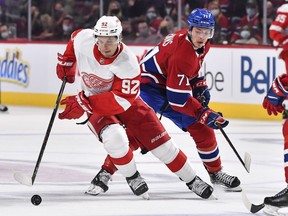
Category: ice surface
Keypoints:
(73, 156)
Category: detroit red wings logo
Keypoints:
(97, 83)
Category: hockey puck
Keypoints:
(36, 200)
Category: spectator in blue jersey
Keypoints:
(171, 85)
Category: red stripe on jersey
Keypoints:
(123, 160)
(178, 162)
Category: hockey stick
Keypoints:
(250, 206)
(247, 157)
(20, 177)
(3, 108)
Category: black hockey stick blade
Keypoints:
(23, 179)
(247, 158)
(250, 206)
(3, 108)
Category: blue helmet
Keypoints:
(201, 18)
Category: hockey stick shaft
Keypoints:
(233, 148)
(48, 130)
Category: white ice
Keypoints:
(73, 156)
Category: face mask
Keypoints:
(115, 11)
(143, 32)
(215, 12)
(164, 31)
(151, 15)
(245, 34)
(66, 28)
(5, 35)
(250, 12)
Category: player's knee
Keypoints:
(167, 152)
(115, 140)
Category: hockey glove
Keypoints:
(200, 90)
(65, 68)
(211, 118)
(275, 96)
(75, 106)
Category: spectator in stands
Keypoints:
(4, 32)
(252, 19)
(37, 27)
(271, 14)
(68, 26)
(145, 35)
(246, 36)
(91, 18)
(153, 18)
(47, 26)
(59, 15)
(221, 30)
(166, 27)
(128, 35)
(114, 9)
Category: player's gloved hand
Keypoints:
(211, 118)
(65, 68)
(200, 90)
(75, 106)
(275, 96)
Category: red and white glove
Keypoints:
(211, 118)
(65, 68)
(75, 106)
(276, 95)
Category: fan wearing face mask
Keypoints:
(221, 30)
(246, 36)
(252, 19)
(4, 32)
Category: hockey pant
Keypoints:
(145, 130)
(203, 136)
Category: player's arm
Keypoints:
(119, 99)
(277, 28)
(66, 66)
(180, 97)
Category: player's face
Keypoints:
(199, 36)
(107, 45)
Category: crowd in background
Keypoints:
(144, 21)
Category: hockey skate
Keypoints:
(201, 188)
(228, 182)
(276, 203)
(138, 185)
(99, 184)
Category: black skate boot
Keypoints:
(201, 188)
(100, 183)
(279, 200)
(230, 183)
(138, 185)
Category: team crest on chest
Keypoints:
(97, 83)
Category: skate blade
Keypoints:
(94, 190)
(212, 197)
(274, 211)
(145, 196)
(226, 189)
(235, 189)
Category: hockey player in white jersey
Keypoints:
(110, 80)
